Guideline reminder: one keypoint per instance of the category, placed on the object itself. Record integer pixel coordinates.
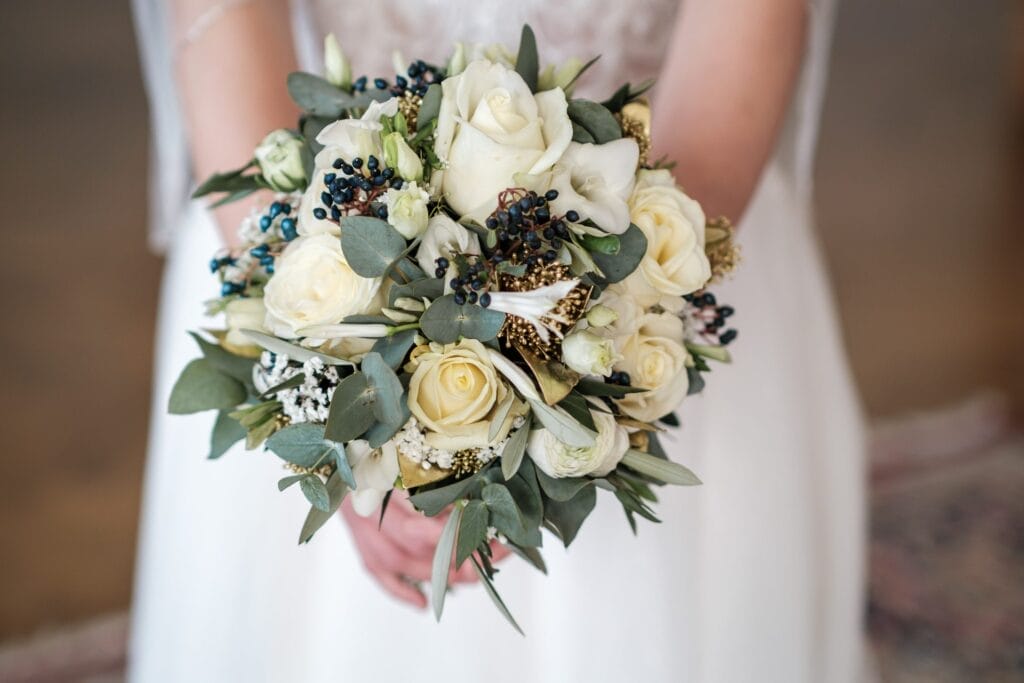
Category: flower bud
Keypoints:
(561, 77)
(457, 62)
(337, 70)
(280, 160)
(407, 210)
(600, 315)
(588, 354)
(401, 157)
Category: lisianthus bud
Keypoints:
(457, 62)
(401, 157)
(337, 70)
(588, 354)
(560, 77)
(600, 315)
(407, 210)
(280, 160)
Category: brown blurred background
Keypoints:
(920, 205)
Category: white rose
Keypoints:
(243, 313)
(444, 237)
(400, 156)
(374, 470)
(556, 459)
(596, 181)
(314, 285)
(588, 354)
(626, 309)
(655, 358)
(351, 138)
(280, 160)
(675, 263)
(337, 69)
(407, 209)
(491, 128)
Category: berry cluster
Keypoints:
(466, 286)
(618, 377)
(524, 228)
(418, 78)
(356, 187)
(713, 316)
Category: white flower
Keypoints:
(558, 460)
(351, 138)
(637, 287)
(375, 472)
(536, 306)
(656, 360)
(600, 315)
(675, 263)
(407, 209)
(280, 160)
(400, 156)
(308, 223)
(626, 310)
(491, 128)
(588, 354)
(444, 237)
(596, 181)
(470, 52)
(337, 69)
(314, 285)
(245, 313)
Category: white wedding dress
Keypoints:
(755, 576)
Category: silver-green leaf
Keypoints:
(370, 244)
(443, 561)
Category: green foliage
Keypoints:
(445, 321)
(472, 530)
(595, 387)
(577, 406)
(202, 386)
(370, 244)
(443, 561)
(593, 122)
(662, 470)
(493, 595)
(394, 348)
(296, 353)
(336, 491)
(429, 288)
(696, 381)
(316, 493)
(528, 61)
(351, 412)
(561, 489)
(234, 366)
(632, 247)
(433, 501)
(515, 448)
(564, 427)
(505, 514)
(608, 245)
(304, 445)
(429, 107)
(231, 182)
(227, 431)
(316, 96)
(565, 517)
(626, 94)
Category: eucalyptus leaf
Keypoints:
(426, 288)
(515, 448)
(370, 244)
(608, 245)
(351, 412)
(227, 431)
(472, 530)
(301, 444)
(526, 492)
(595, 119)
(395, 348)
(505, 515)
(317, 96)
(528, 61)
(316, 493)
(429, 106)
(499, 415)
(530, 554)
(561, 489)
(632, 248)
(311, 127)
(443, 561)
(229, 181)
(336, 490)
(696, 380)
(566, 517)
(446, 322)
(238, 367)
(663, 470)
(432, 502)
(576, 405)
(285, 482)
(202, 386)
(388, 406)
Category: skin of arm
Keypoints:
(723, 93)
(231, 78)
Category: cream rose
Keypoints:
(314, 285)
(454, 392)
(675, 263)
(444, 237)
(558, 459)
(490, 128)
(655, 358)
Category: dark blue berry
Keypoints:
(726, 311)
(728, 336)
(380, 83)
(551, 195)
(275, 209)
(485, 299)
(372, 163)
(265, 223)
(439, 271)
(329, 178)
(460, 298)
(401, 82)
(550, 255)
(335, 213)
(326, 198)
(442, 262)
(357, 162)
(338, 163)
(491, 223)
(549, 233)
(214, 265)
(455, 283)
(572, 216)
(472, 297)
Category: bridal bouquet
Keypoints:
(470, 286)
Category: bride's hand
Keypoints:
(401, 553)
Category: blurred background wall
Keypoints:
(920, 205)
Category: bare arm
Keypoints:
(724, 91)
(232, 80)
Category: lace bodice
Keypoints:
(631, 37)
